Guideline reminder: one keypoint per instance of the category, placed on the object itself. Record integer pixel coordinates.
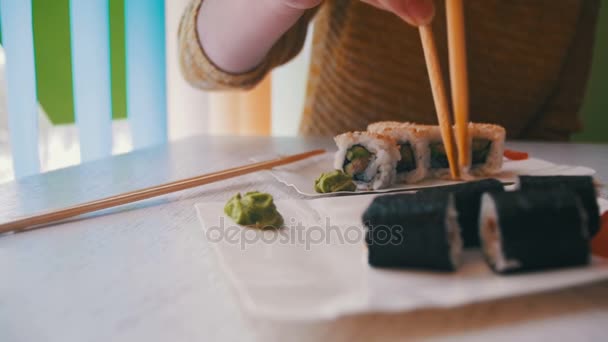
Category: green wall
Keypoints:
(53, 58)
(117, 58)
(595, 107)
(51, 34)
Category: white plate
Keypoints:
(301, 175)
(309, 274)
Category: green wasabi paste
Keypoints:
(333, 182)
(254, 209)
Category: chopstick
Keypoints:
(439, 96)
(458, 78)
(40, 220)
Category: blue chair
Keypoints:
(146, 77)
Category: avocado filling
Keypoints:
(254, 209)
(407, 162)
(481, 149)
(356, 162)
(334, 181)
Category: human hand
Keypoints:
(415, 12)
(300, 4)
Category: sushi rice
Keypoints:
(416, 152)
(403, 134)
(496, 136)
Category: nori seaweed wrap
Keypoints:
(533, 230)
(467, 198)
(413, 231)
(583, 186)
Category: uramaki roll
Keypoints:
(369, 158)
(487, 148)
(431, 156)
(411, 168)
(423, 153)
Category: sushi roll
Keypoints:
(487, 148)
(411, 168)
(423, 153)
(532, 230)
(467, 199)
(583, 186)
(433, 156)
(369, 158)
(413, 231)
(380, 126)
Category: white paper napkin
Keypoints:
(317, 268)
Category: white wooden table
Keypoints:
(143, 272)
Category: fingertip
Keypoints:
(422, 12)
(414, 12)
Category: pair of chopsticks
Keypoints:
(459, 85)
(44, 219)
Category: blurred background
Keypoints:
(273, 108)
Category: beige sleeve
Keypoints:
(202, 73)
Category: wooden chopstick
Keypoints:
(43, 219)
(458, 78)
(439, 96)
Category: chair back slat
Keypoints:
(18, 42)
(146, 71)
(89, 26)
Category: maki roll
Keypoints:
(532, 230)
(467, 199)
(487, 148)
(369, 158)
(413, 231)
(410, 168)
(583, 186)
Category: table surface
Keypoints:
(145, 272)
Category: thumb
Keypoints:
(415, 12)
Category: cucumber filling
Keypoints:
(407, 162)
(356, 162)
